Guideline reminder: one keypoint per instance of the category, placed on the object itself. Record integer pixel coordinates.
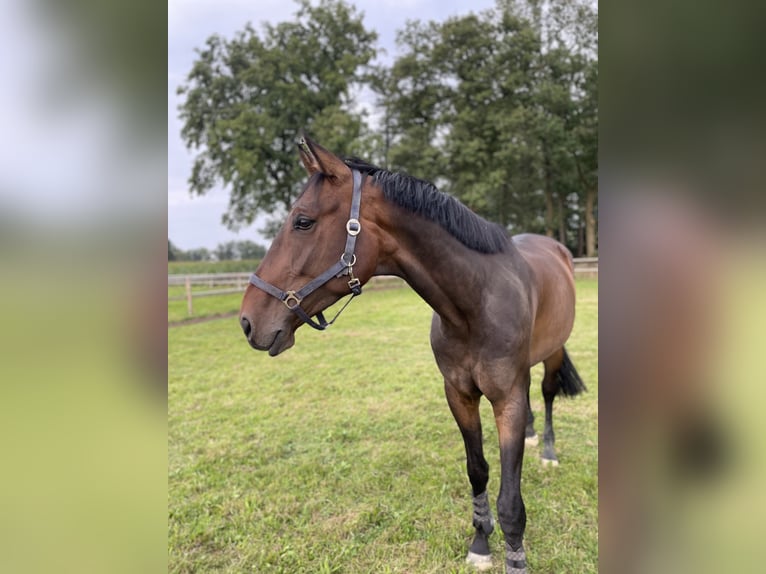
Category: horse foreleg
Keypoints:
(510, 417)
(465, 408)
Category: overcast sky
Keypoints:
(196, 221)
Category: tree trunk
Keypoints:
(590, 222)
(562, 221)
(549, 215)
(387, 136)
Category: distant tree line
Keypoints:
(498, 108)
(227, 251)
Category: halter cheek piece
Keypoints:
(345, 266)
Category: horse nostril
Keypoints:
(246, 327)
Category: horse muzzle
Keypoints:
(274, 342)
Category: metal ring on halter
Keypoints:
(290, 296)
(353, 227)
(346, 263)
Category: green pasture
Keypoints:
(201, 306)
(341, 455)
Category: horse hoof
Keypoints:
(481, 562)
(531, 440)
(549, 462)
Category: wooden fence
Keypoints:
(586, 267)
(229, 283)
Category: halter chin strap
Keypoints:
(345, 266)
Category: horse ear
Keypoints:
(307, 157)
(329, 164)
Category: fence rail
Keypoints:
(236, 282)
(586, 266)
(210, 279)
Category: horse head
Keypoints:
(325, 249)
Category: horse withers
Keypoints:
(501, 305)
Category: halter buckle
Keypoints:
(291, 297)
(348, 263)
(353, 227)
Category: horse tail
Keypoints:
(569, 380)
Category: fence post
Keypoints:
(188, 296)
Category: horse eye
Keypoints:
(303, 223)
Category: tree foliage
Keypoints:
(238, 250)
(226, 251)
(198, 254)
(172, 251)
(500, 109)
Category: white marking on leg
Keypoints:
(531, 440)
(479, 561)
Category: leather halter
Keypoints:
(345, 266)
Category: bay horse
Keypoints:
(501, 304)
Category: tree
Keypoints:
(459, 99)
(226, 251)
(412, 96)
(172, 251)
(177, 254)
(199, 254)
(238, 250)
(247, 98)
(494, 153)
(250, 250)
(570, 76)
(586, 153)
(500, 108)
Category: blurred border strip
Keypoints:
(682, 276)
(82, 251)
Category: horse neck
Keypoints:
(437, 266)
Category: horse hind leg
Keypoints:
(465, 409)
(530, 434)
(560, 376)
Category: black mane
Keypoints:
(423, 198)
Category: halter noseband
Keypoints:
(345, 266)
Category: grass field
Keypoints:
(341, 455)
(202, 306)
